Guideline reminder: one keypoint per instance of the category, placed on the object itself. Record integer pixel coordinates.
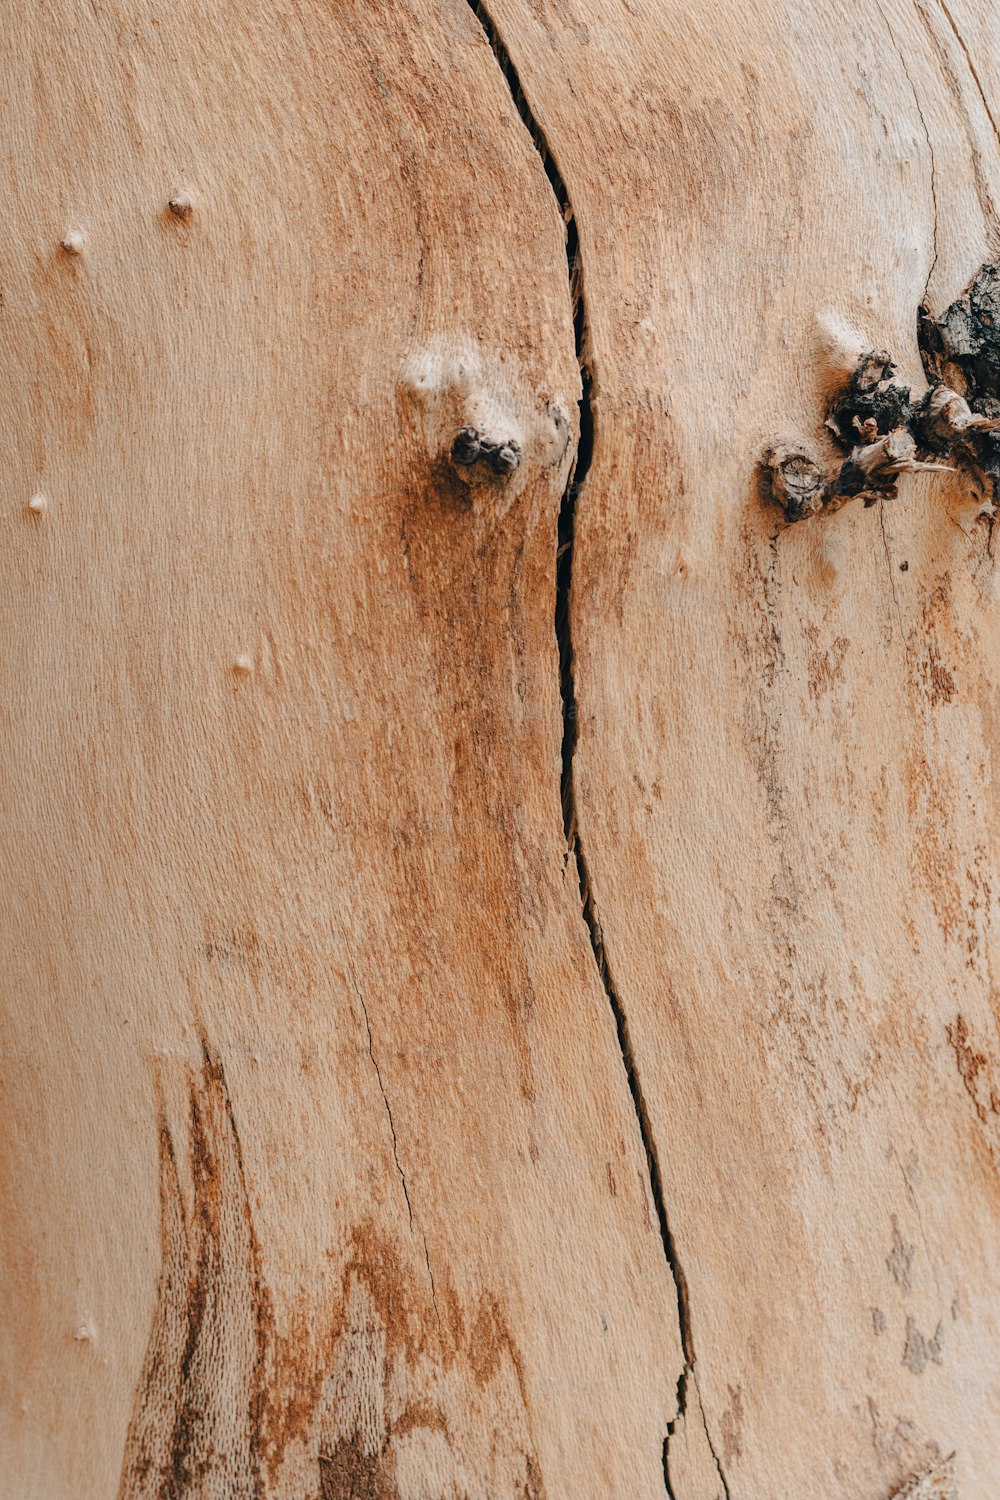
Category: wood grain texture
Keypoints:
(320, 1171)
(333, 1168)
(785, 766)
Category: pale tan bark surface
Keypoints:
(785, 766)
(410, 1144)
(333, 1167)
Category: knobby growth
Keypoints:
(884, 431)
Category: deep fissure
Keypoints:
(564, 582)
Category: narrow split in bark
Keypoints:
(564, 582)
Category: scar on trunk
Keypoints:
(883, 431)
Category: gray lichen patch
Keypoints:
(900, 1259)
(920, 1351)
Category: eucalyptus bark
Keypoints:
(498, 869)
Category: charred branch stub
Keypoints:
(884, 432)
(961, 353)
(874, 401)
(872, 467)
(471, 447)
(874, 421)
(962, 347)
(947, 418)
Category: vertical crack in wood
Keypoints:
(960, 39)
(392, 1132)
(388, 1110)
(564, 583)
(927, 135)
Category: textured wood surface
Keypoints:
(350, 1152)
(784, 772)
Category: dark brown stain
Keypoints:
(360, 1465)
(479, 614)
(755, 632)
(932, 795)
(534, 1489)
(65, 328)
(242, 947)
(732, 1425)
(194, 1427)
(826, 668)
(222, 1393)
(939, 684)
(974, 1069)
(374, 1263)
(239, 945)
(349, 1473)
(448, 1299)
(421, 1414)
(290, 1387)
(937, 646)
(491, 1340)
(486, 1344)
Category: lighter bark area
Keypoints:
(402, 1099)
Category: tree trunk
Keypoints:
(500, 916)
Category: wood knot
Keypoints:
(797, 483)
(883, 433)
(470, 447)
